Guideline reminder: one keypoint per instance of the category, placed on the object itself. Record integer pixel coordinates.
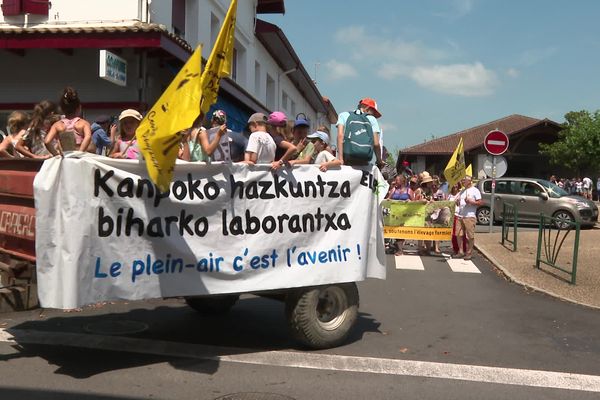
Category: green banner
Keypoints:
(418, 220)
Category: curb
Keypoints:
(518, 281)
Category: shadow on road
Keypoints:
(38, 394)
(254, 324)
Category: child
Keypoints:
(277, 124)
(261, 146)
(126, 146)
(324, 158)
(73, 132)
(17, 124)
(211, 144)
(32, 143)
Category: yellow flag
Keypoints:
(455, 170)
(176, 110)
(469, 170)
(220, 60)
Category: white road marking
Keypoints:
(386, 366)
(458, 265)
(409, 262)
(6, 336)
(415, 263)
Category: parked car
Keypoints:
(532, 197)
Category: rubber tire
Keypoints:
(212, 305)
(303, 319)
(478, 217)
(566, 214)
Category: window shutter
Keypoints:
(39, 7)
(11, 7)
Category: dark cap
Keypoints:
(219, 116)
(258, 117)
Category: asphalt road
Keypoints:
(429, 333)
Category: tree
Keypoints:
(578, 142)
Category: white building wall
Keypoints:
(161, 13)
(197, 30)
(89, 11)
(253, 51)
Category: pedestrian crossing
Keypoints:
(415, 262)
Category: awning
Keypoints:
(136, 35)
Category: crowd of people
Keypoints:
(424, 188)
(54, 129)
(579, 186)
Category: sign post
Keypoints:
(496, 143)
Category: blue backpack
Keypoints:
(358, 138)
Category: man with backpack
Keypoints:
(358, 134)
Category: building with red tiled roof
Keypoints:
(523, 158)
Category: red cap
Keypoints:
(369, 102)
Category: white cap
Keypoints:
(319, 135)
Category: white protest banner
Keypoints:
(105, 232)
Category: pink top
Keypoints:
(70, 126)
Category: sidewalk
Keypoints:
(519, 266)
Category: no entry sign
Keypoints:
(496, 142)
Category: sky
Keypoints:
(436, 67)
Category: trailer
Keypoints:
(85, 229)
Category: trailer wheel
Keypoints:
(212, 305)
(322, 317)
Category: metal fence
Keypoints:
(551, 238)
(510, 220)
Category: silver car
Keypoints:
(533, 197)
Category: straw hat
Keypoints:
(425, 177)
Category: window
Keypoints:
(284, 101)
(19, 7)
(257, 79)
(530, 189)
(239, 63)
(293, 108)
(178, 17)
(270, 92)
(501, 187)
(234, 65)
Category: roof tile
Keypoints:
(98, 28)
(473, 137)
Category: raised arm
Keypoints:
(209, 147)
